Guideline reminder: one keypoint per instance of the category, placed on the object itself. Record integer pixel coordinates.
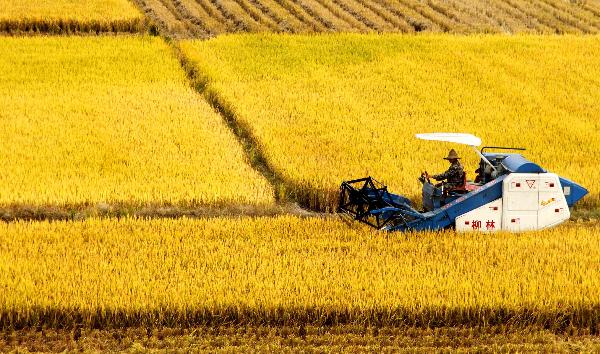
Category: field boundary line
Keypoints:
(250, 145)
(559, 320)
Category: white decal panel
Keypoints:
(485, 218)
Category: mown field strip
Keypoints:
(323, 109)
(68, 16)
(112, 121)
(103, 273)
(208, 18)
(407, 16)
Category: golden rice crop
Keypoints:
(112, 120)
(331, 108)
(288, 270)
(70, 15)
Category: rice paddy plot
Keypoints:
(67, 16)
(291, 271)
(112, 121)
(324, 109)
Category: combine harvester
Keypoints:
(512, 194)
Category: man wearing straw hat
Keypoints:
(454, 176)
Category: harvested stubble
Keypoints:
(67, 16)
(324, 109)
(205, 18)
(297, 339)
(106, 121)
(290, 271)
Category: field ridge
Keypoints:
(242, 132)
(287, 191)
(560, 320)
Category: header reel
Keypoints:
(368, 201)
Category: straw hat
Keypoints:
(452, 155)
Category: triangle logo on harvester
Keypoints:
(530, 182)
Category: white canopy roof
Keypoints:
(459, 138)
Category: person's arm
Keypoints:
(442, 176)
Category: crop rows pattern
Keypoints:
(113, 120)
(68, 16)
(205, 18)
(330, 108)
(105, 273)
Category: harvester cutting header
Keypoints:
(509, 193)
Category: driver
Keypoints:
(454, 175)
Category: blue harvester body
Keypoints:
(368, 201)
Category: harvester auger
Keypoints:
(510, 193)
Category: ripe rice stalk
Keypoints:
(68, 16)
(289, 271)
(91, 121)
(328, 109)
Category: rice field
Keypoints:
(289, 271)
(323, 109)
(208, 18)
(106, 127)
(67, 16)
(90, 121)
